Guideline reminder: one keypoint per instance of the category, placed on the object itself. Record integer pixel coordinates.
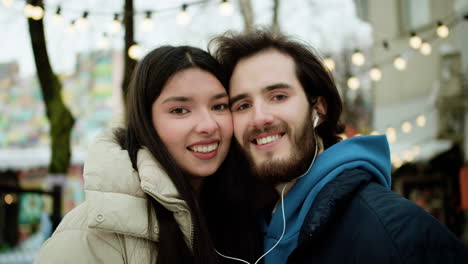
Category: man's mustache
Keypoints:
(283, 128)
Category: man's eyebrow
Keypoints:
(238, 97)
(276, 86)
(177, 99)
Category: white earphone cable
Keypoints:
(282, 212)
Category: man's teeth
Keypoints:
(206, 148)
(266, 140)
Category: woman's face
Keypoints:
(193, 120)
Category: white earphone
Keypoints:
(316, 120)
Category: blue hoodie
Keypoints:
(368, 152)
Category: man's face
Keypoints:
(271, 115)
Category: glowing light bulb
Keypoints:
(406, 127)
(183, 18)
(399, 63)
(358, 58)
(421, 120)
(226, 8)
(408, 156)
(374, 133)
(135, 52)
(115, 25)
(28, 10)
(82, 22)
(442, 30)
(9, 198)
(147, 23)
(415, 41)
(391, 134)
(353, 83)
(57, 18)
(70, 29)
(375, 74)
(329, 63)
(103, 42)
(37, 13)
(426, 49)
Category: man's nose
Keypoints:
(261, 116)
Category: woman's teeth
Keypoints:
(205, 148)
(266, 140)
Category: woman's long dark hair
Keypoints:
(146, 85)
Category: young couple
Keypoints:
(171, 187)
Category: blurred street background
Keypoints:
(401, 67)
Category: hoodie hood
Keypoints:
(370, 153)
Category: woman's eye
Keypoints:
(220, 107)
(179, 111)
(279, 97)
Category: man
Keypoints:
(336, 205)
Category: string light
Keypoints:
(135, 51)
(28, 10)
(399, 63)
(183, 18)
(396, 161)
(442, 30)
(406, 127)
(415, 41)
(358, 58)
(116, 25)
(71, 27)
(82, 22)
(391, 135)
(421, 120)
(37, 13)
(103, 42)
(329, 63)
(147, 23)
(57, 18)
(353, 83)
(374, 133)
(226, 8)
(375, 74)
(9, 198)
(426, 49)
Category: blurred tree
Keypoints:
(60, 118)
(129, 63)
(275, 26)
(247, 14)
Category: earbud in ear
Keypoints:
(316, 120)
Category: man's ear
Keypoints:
(320, 109)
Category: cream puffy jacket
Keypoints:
(111, 226)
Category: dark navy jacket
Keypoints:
(355, 220)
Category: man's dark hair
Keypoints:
(316, 80)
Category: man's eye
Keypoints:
(179, 111)
(279, 97)
(242, 107)
(220, 107)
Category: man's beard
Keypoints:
(275, 171)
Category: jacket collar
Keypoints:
(116, 193)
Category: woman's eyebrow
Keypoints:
(177, 99)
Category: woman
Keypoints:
(143, 182)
